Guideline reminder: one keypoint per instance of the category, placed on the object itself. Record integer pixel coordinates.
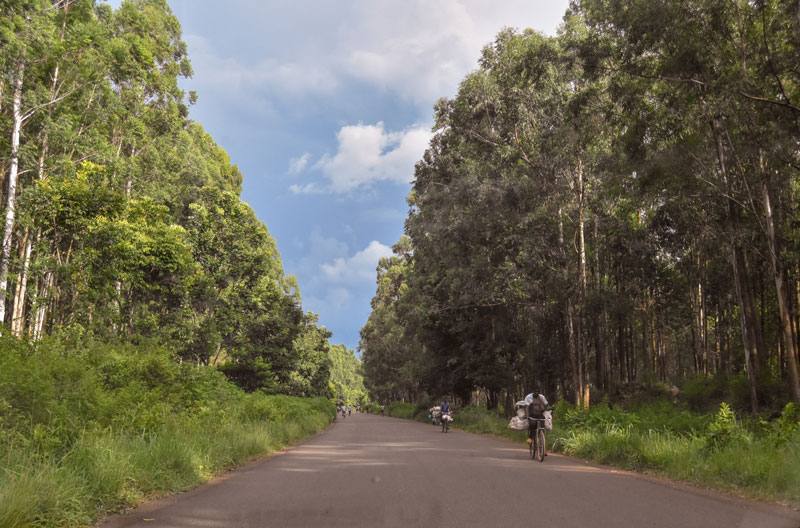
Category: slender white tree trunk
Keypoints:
(18, 314)
(582, 348)
(8, 231)
(41, 310)
(783, 297)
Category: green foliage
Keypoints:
(88, 428)
(346, 378)
(409, 411)
(131, 224)
(595, 210)
(724, 429)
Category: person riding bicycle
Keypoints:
(537, 405)
(349, 409)
(445, 407)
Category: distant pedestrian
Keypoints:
(349, 409)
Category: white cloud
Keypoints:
(309, 188)
(333, 299)
(422, 49)
(273, 75)
(368, 154)
(359, 267)
(296, 165)
(418, 49)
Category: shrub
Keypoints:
(89, 428)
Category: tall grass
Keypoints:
(87, 429)
(756, 458)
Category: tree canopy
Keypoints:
(123, 217)
(611, 205)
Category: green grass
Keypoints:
(753, 458)
(409, 411)
(88, 430)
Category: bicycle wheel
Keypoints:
(540, 445)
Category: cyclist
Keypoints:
(349, 409)
(381, 410)
(344, 411)
(445, 412)
(537, 404)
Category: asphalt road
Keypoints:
(371, 471)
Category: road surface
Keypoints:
(371, 471)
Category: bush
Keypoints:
(401, 410)
(89, 428)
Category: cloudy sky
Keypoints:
(326, 105)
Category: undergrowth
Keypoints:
(87, 429)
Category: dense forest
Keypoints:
(610, 207)
(123, 219)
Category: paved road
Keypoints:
(370, 471)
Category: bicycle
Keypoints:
(537, 446)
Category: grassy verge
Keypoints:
(755, 458)
(88, 429)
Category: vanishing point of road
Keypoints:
(373, 471)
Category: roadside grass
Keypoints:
(409, 411)
(753, 458)
(88, 431)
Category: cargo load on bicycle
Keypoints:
(435, 415)
(548, 420)
(519, 422)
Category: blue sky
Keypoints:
(325, 106)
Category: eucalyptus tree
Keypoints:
(738, 117)
(347, 379)
(391, 351)
(147, 57)
(32, 40)
(515, 150)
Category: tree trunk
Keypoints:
(601, 351)
(18, 315)
(582, 333)
(739, 275)
(8, 231)
(577, 382)
(43, 302)
(783, 297)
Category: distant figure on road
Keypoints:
(349, 409)
(381, 410)
(344, 411)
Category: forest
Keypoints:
(610, 208)
(123, 219)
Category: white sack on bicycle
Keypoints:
(518, 424)
(548, 420)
